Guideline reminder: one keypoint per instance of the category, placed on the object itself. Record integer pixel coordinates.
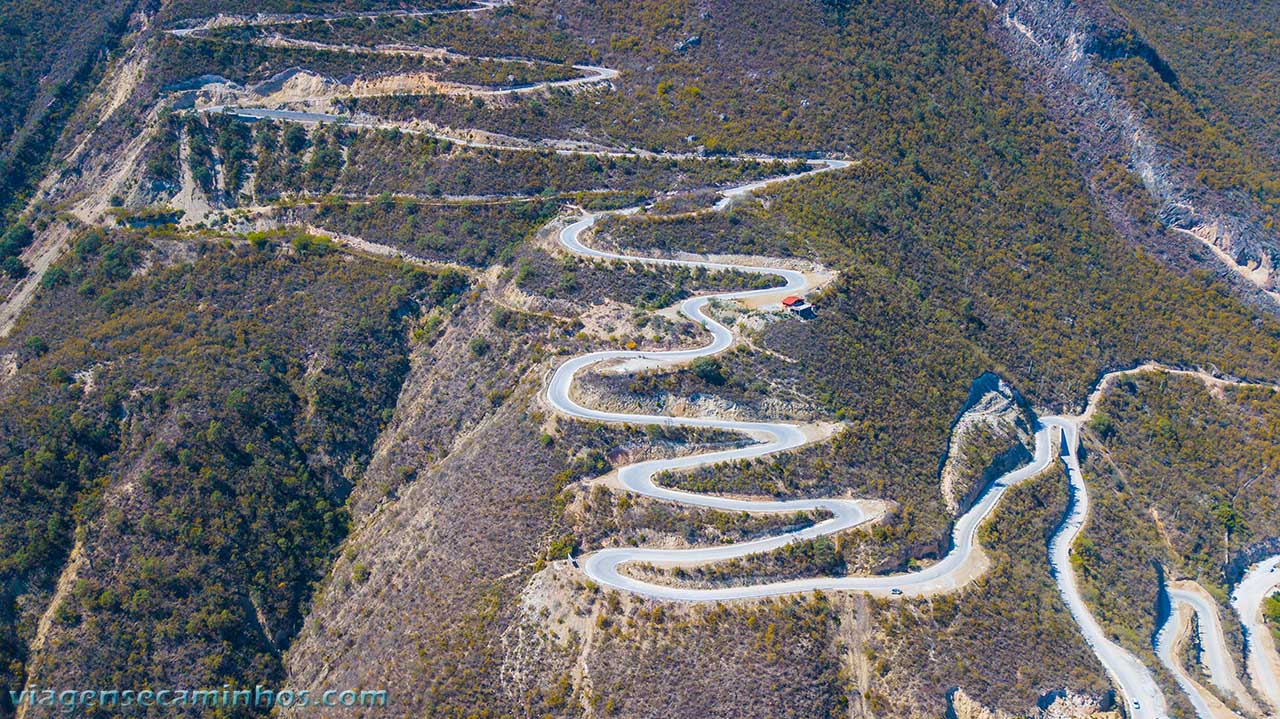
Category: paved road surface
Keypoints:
(1142, 696)
(1260, 582)
(1215, 656)
(1168, 642)
(1140, 693)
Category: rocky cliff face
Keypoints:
(992, 436)
(1064, 47)
(1067, 706)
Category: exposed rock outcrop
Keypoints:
(965, 707)
(1066, 706)
(1063, 47)
(991, 437)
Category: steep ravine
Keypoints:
(1062, 48)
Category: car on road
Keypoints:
(895, 592)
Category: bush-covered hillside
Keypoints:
(1225, 56)
(269, 458)
(194, 432)
(51, 54)
(1183, 476)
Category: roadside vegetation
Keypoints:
(477, 234)
(610, 518)
(505, 34)
(1181, 477)
(285, 461)
(1007, 640)
(1271, 613)
(183, 59)
(587, 282)
(290, 159)
(192, 9)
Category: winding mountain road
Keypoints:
(1141, 694)
(1215, 655)
(1135, 681)
(1263, 662)
(1188, 600)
